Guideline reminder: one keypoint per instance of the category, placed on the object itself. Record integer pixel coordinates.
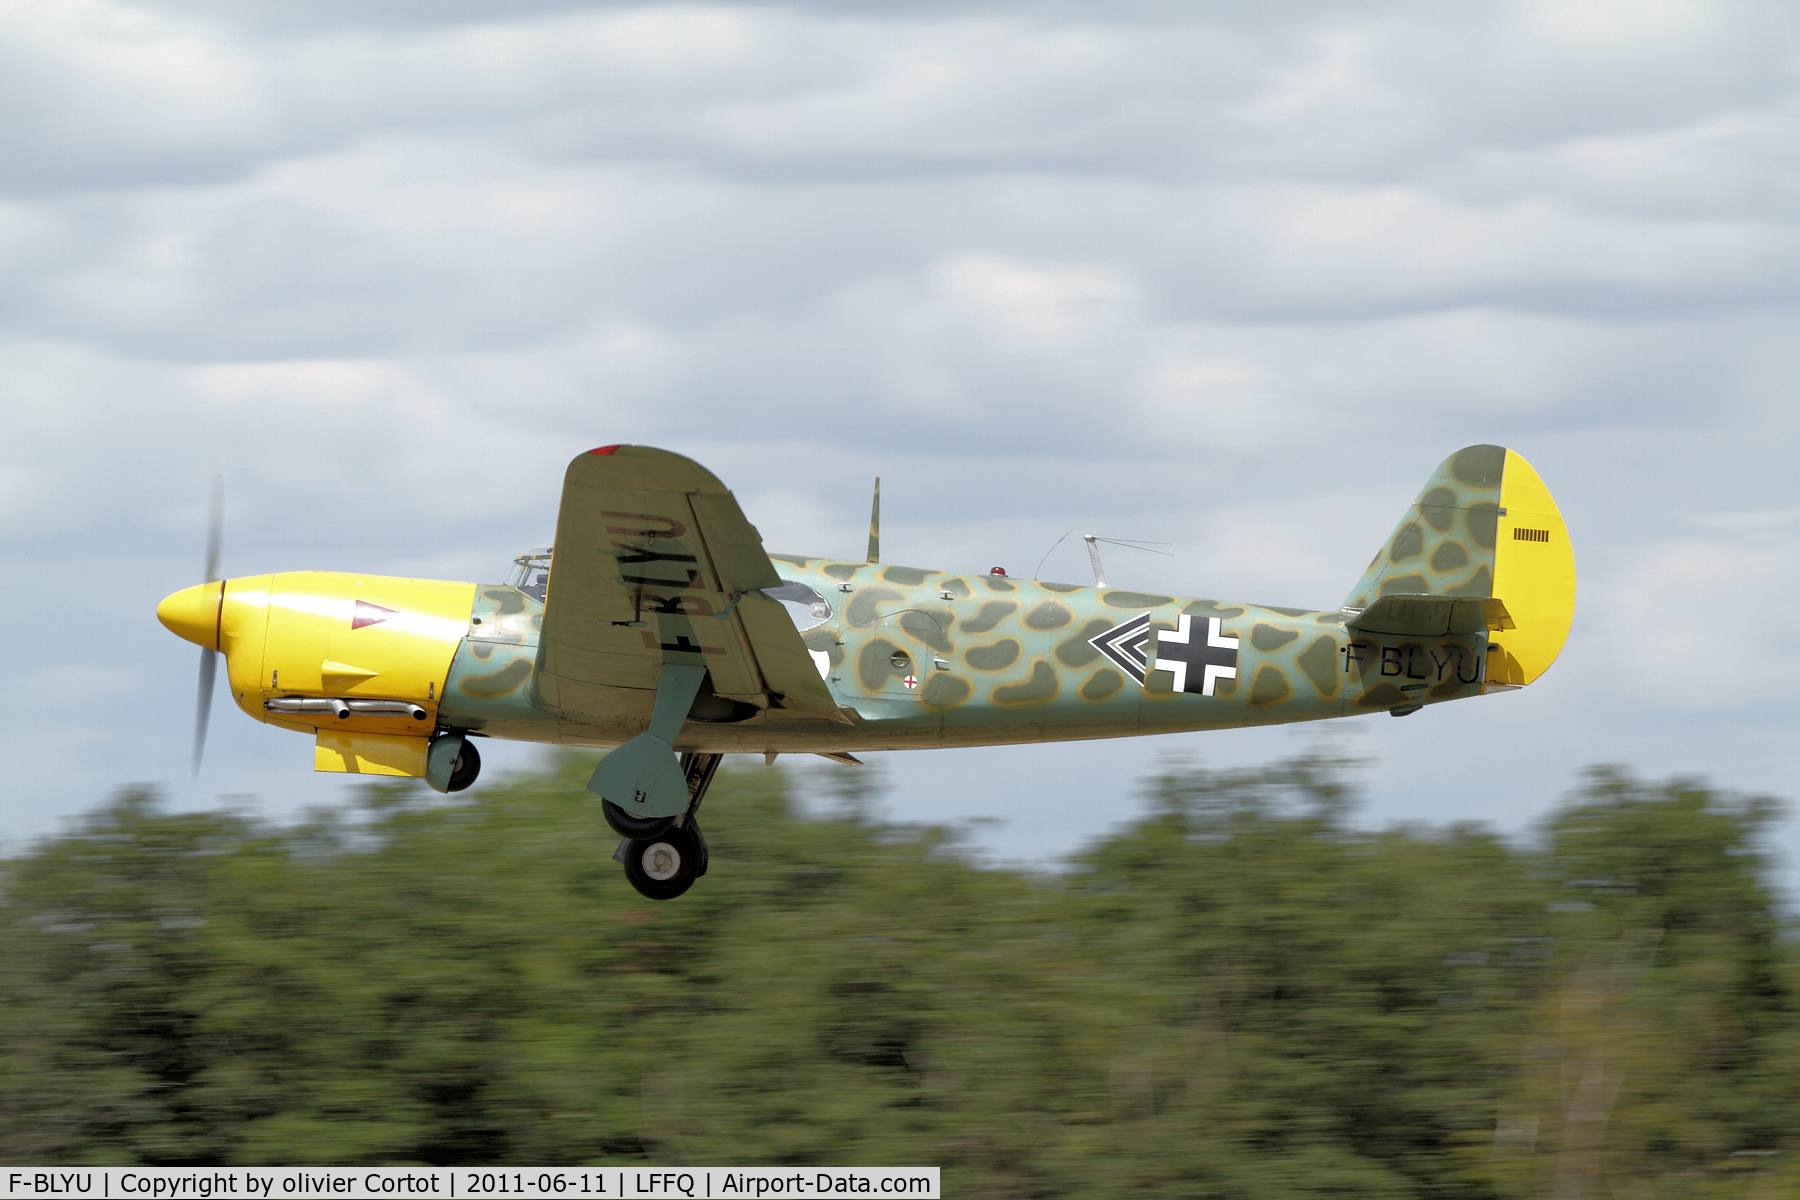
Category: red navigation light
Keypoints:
(603, 450)
(998, 571)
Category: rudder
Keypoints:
(1534, 575)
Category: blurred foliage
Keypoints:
(1239, 994)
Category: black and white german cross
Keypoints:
(1213, 659)
(1196, 665)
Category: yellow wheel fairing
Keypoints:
(1534, 576)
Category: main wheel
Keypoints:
(466, 767)
(628, 826)
(662, 868)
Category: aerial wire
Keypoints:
(1049, 552)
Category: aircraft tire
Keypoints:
(636, 828)
(466, 767)
(664, 867)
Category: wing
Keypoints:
(655, 563)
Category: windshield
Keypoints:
(803, 604)
(531, 572)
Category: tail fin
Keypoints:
(1485, 526)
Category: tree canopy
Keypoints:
(1240, 993)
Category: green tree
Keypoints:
(1239, 993)
(1318, 1002)
(1665, 1056)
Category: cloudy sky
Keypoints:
(1230, 276)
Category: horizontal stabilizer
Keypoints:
(1431, 616)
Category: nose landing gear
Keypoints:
(669, 854)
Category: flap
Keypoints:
(1431, 616)
(787, 666)
(654, 563)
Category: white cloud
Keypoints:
(1712, 590)
(1614, 28)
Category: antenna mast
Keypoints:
(1129, 543)
(875, 524)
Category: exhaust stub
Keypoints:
(344, 709)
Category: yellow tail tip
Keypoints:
(193, 614)
(1534, 574)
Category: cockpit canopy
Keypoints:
(531, 572)
(805, 605)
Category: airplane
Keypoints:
(668, 634)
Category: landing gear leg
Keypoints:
(664, 864)
(644, 777)
(698, 770)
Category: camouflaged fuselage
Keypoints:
(934, 658)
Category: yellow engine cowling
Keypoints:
(361, 659)
(321, 636)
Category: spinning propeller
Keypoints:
(209, 657)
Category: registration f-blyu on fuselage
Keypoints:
(669, 633)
